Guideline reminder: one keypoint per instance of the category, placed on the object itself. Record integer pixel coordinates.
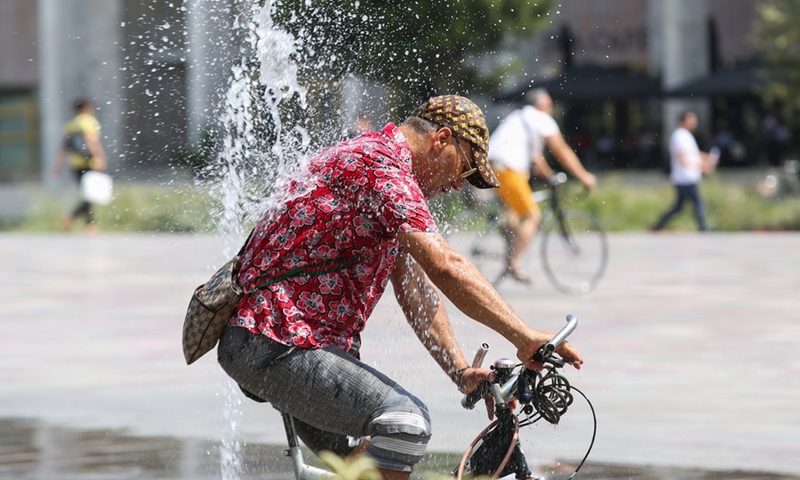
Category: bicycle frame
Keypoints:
(551, 194)
(547, 194)
(301, 470)
(488, 454)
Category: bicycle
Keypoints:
(496, 451)
(781, 183)
(573, 245)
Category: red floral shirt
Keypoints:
(323, 258)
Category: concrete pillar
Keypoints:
(60, 58)
(679, 52)
(104, 75)
(210, 54)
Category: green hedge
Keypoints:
(620, 203)
(729, 207)
(626, 203)
(135, 208)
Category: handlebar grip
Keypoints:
(480, 355)
(557, 179)
(476, 395)
(548, 348)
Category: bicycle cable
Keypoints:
(551, 398)
(594, 434)
(512, 444)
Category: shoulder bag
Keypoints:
(214, 302)
(210, 309)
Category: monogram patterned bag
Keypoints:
(210, 309)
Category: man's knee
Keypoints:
(530, 217)
(400, 431)
(534, 216)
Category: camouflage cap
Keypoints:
(466, 121)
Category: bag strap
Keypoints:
(241, 250)
(238, 256)
(528, 133)
(315, 270)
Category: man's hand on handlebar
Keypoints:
(535, 348)
(527, 351)
(570, 355)
(472, 377)
(589, 181)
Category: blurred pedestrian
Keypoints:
(516, 152)
(362, 125)
(776, 138)
(81, 146)
(687, 166)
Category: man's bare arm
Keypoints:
(425, 312)
(98, 154)
(540, 168)
(471, 293)
(567, 158)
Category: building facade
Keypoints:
(155, 69)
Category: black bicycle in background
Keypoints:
(573, 248)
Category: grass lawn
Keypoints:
(621, 203)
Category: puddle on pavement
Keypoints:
(29, 450)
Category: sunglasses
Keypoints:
(470, 169)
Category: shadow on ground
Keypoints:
(29, 450)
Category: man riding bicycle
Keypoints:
(516, 154)
(356, 219)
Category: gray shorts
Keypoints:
(332, 395)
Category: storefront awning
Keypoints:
(743, 79)
(593, 83)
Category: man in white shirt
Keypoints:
(515, 151)
(687, 166)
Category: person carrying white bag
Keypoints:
(87, 159)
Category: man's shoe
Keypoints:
(517, 275)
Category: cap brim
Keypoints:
(484, 177)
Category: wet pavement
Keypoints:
(29, 450)
(690, 341)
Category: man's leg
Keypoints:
(83, 209)
(693, 192)
(522, 217)
(330, 390)
(523, 229)
(680, 198)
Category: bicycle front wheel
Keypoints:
(574, 251)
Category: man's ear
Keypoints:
(441, 139)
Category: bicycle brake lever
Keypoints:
(557, 361)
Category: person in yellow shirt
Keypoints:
(82, 148)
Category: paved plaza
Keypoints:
(691, 345)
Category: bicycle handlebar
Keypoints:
(548, 348)
(506, 391)
(480, 355)
(557, 179)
